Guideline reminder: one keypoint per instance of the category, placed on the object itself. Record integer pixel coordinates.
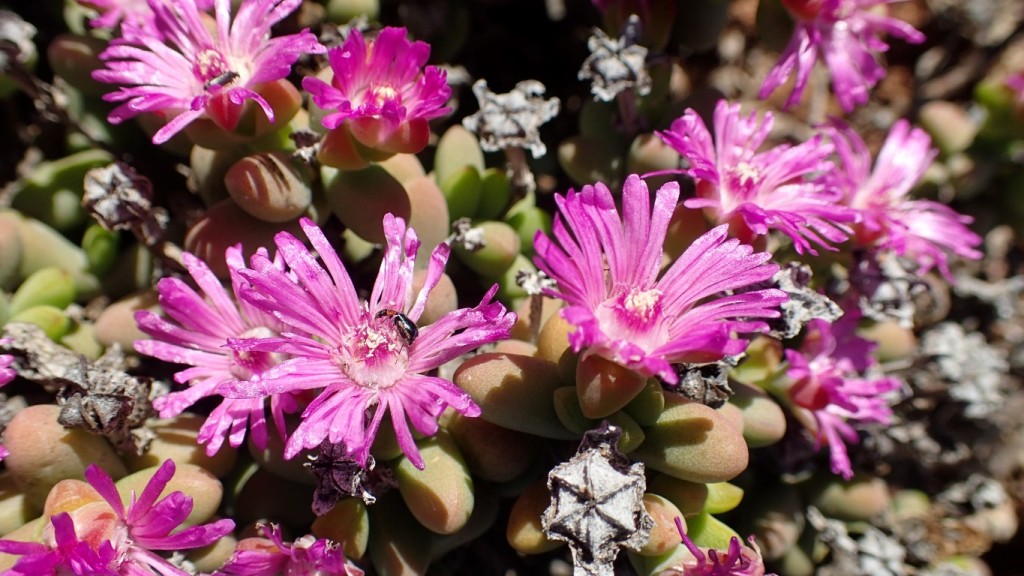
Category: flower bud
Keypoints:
(498, 254)
(42, 452)
(862, 498)
(693, 442)
(462, 190)
(527, 223)
(404, 167)
(348, 524)
(52, 191)
(648, 404)
(74, 58)
(764, 422)
(52, 321)
(722, 497)
(495, 192)
(949, 125)
(226, 224)
(47, 287)
(14, 510)
(116, 323)
(441, 495)
(709, 532)
(688, 497)
(605, 387)
(100, 246)
(176, 440)
(209, 558)
(42, 247)
(492, 453)
(632, 433)
(399, 545)
(429, 216)
(69, 495)
(524, 532)
(588, 159)
(342, 11)
(361, 198)
(10, 248)
(664, 536)
(649, 153)
(567, 407)
(263, 496)
(457, 150)
(270, 186)
(81, 339)
(515, 392)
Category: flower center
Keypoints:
(743, 180)
(642, 304)
(374, 354)
(247, 363)
(213, 69)
(381, 94)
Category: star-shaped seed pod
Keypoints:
(121, 199)
(512, 119)
(804, 304)
(616, 64)
(597, 503)
(97, 396)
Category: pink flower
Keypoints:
(607, 269)
(186, 72)
(847, 35)
(738, 560)
(828, 384)
(147, 524)
(756, 191)
(117, 542)
(6, 375)
(62, 553)
(1016, 83)
(135, 15)
(271, 556)
(381, 92)
(369, 358)
(196, 333)
(926, 231)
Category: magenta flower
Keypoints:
(62, 554)
(135, 15)
(1016, 83)
(148, 523)
(381, 92)
(755, 191)
(187, 72)
(6, 375)
(738, 560)
(196, 333)
(369, 358)
(847, 35)
(828, 386)
(271, 556)
(116, 542)
(607, 270)
(925, 231)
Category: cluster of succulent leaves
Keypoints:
(744, 467)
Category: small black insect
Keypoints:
(223, 80)
(406, 327)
